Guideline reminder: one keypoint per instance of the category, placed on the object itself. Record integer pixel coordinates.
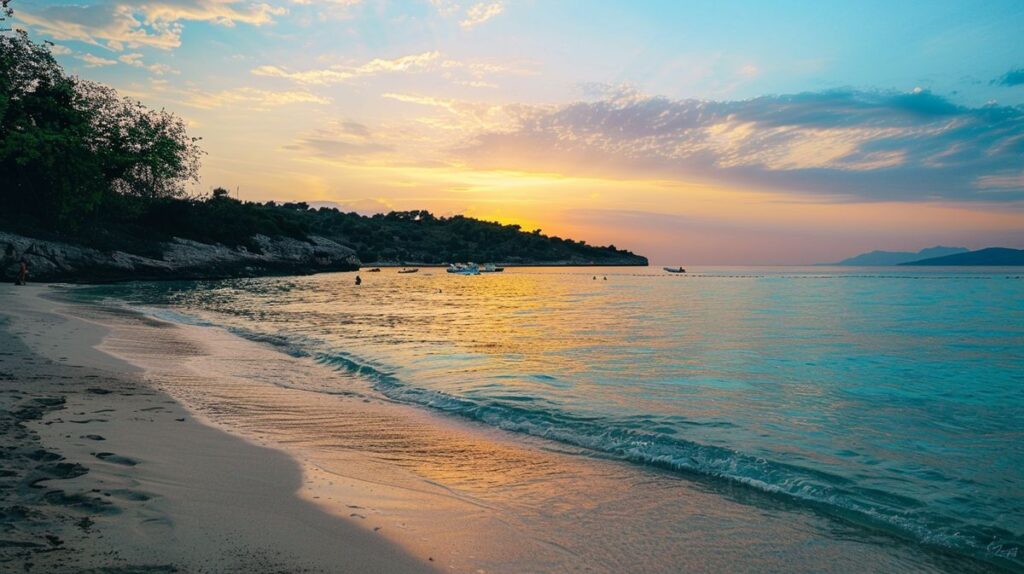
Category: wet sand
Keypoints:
(103, 473)
(237, 457)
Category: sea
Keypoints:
(889, 400)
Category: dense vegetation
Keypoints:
(414, 236)
(71, 149)
(81, 164)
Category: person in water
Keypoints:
(359, 281)
(22, 272)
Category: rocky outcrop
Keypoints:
(181, 259)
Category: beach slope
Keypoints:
(102, 472)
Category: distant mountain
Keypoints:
(882, 258)
(995, 256)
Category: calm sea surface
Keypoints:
(890, 397)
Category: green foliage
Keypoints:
(45, 159)
(140, 225)
(144, 152)
(419, 236)
(69, 148)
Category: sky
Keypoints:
(691, 132)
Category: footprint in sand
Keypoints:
(116, 458)
(133, 495)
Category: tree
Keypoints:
(145, 153)
(68, 146)
(45, 156)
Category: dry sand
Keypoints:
(102, 472)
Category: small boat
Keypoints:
(464, 269)
(674, 269)
(491, 268)
(374, 270)
(413, 270)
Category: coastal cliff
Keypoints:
(180, 259)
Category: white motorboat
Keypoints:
(464, 268)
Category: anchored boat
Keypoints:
(464, 269)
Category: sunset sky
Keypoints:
(691, 132)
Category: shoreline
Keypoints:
(181, 259)
(459, 495)
(508, 265)
(111, 474)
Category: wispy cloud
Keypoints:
(331, 9)
(446, 7)
(334, 2)
(92, 61)
(155, 23)
(466, 116)
(469, 73)
(1013, 182)
(252, 98)
(340, 140)
(135, 60)
(340, 73)
(837, 143)
(481, 12)
(1011, 78)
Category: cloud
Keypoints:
(340, 73)
(1002, 182)
(1011, 78)
(135, 60)
(252, 98)
(330, 9)
(131, 59)
(340, 140)
(472, 73)
(481, 12)
(842, 144)
(748, 71)
(92, 61)
(468, 117)
(154, 23)
(333, 2)
(476, 84)
(473, 16)
(446, 7)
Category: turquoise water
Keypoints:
(891, 398)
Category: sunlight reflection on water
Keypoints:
(892, 394)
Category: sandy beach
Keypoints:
(102, 472)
